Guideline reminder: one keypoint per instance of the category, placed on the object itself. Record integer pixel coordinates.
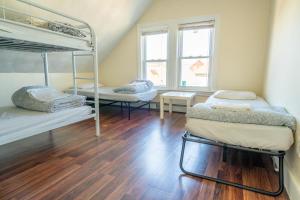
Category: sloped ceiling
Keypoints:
(111, 19)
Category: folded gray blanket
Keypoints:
(271, 116)
(137, 86)
(45, 99)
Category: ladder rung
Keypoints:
(82, 78)
(90, 101)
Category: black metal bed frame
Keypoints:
(188, 137)
(128, 105)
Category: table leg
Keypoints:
(161, 108)
(188, 103)
(170, 105)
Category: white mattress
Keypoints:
(17, 123)
(42, 37)
(246, 135)
(107, 93)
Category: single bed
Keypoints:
(264, 139)
(17, 123)
(107, 93)
(108, 97)
(278, 138)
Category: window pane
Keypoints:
(195, 42)
(156, 46)
(194, 72)
(156, 72)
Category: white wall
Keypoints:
(241, 41)
(282, 78)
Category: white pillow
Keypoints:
(88, 85)
(237, 95)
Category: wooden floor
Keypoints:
(136, 159)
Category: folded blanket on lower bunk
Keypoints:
(45, 99)
(137, 86)
(272, 116)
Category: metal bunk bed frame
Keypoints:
(44, 49)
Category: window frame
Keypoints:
(180, 58)
(142, 49)
(173, 67)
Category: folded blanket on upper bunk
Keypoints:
(137, 86)
(271, 116)
(45, 99)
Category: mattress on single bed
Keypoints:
(246, 135)
(17, 123)
(107, 93)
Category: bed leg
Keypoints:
(129, 110)
(182, 155)
(224, 156)
(149, 106)
(280, 176)
(121, 106)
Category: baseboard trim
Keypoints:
(291, 184)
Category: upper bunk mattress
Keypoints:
(17, 123)
(240, 134)
(17, 36)
(107, 93)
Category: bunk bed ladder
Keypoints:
(94, 55)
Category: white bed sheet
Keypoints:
(107, 93)
(246, 135)
(17, 123)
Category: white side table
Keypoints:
(188, 96)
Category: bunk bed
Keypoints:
(23, 32)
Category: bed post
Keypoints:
(46, 71)
(96, 94)
(74, 73)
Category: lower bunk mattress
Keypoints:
(17, 123)
(107, 93)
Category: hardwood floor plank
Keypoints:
(132, 159)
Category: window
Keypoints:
(195, 42)
(154, 57)
(178, 55)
